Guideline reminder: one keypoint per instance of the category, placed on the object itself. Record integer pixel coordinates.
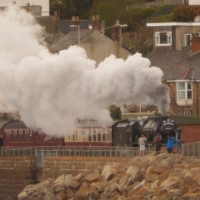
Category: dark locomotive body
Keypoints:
(127, 133)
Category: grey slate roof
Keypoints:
(176, 64)
(64, 25)
(15, 125)
(71, 38)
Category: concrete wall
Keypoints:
(15, 174)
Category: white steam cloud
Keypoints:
(52, 91)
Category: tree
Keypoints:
(115, 112)
(183, 13)
(68, 8)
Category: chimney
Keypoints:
(96, 22)
(197, 15)
(116, 35)
(75, 20)
(195, 43)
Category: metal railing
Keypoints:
(191, 149)
(74, 151)
(188, 149)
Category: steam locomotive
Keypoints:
(127, 133)
(121, 133)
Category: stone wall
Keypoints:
(15, 174)
(20, 171)
(56, 166)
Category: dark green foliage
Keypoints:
(68, 8)
(138, 17)
(183, 14)
(115, 112)
(162, 14)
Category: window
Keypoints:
(89, 137)
(99, 136)
(187, 39)
(184, 90)
(94, 137)
(104, 137)
(163, 38)
(12, 137)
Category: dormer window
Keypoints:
(163, 38)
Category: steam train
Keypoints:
(127, 133)
(121, 133)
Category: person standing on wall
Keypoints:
(142, 142)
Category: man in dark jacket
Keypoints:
(158, 143)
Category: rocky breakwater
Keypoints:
(166, 177)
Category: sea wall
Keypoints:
(56, 166)
(15, 174)
(20, 171)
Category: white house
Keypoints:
(43, 3)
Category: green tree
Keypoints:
(68, 8)
(183, 13)
(115, 112)
(112, 10)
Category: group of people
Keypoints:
(158, 144)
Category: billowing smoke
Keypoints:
(53, 91)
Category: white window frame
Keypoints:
(186, 39)
(184, 93)
(158, 40)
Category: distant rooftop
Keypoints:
(157, 24)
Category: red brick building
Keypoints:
(177, 52)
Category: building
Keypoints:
(35, 5)
(193, 2)
(90, 34)
(172, 2)
(176, 52)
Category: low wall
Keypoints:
(190, 133)
(56, 166)
(20, 171)
(15, 174)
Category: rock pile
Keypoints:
(166, 177)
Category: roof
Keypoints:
(15, 124)
(176, 64)
(173, 24)
(64, 25)
(69, 39)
